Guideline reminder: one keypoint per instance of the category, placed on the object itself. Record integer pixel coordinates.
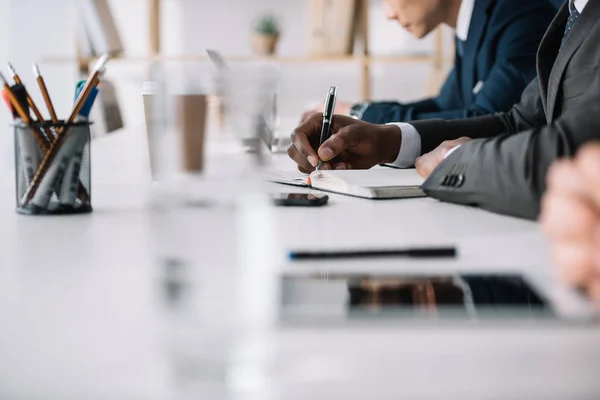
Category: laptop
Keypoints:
(266, 130)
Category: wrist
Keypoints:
(390, 143)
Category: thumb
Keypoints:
(350, 136)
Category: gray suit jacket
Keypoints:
(504, 168)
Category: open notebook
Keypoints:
(376, 183)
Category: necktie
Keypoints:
(570, 23)
(460, 46)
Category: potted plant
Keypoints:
(266, 35)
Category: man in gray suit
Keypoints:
(496, 162)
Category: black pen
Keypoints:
(327, 118)
(431, 252)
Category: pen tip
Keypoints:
(36, 70)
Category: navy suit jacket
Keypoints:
(500, 52)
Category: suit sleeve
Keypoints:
(515, 64)
(528, 114)
(507, 174)
(386, 112)
(513, 70)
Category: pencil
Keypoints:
(91, 83)
(44, 90)
(61, 133)
(41, 139)
(30, 101)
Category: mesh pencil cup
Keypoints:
(65, 187)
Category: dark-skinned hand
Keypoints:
(353, 144)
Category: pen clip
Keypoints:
(330, 102)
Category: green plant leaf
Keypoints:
(268, 25)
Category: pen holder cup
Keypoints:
(65, 187)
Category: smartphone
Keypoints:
(299, 199)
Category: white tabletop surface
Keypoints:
(82, 313)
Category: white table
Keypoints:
(80, 313)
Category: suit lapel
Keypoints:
(477, 28)
(548, 51)
(589, 17)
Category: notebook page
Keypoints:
(377, 178)
(287, 178)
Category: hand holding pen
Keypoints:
(352, 144)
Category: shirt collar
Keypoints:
(578, 4)
(465, 13)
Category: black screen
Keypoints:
(355, 297)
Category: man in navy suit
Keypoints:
(496, 45)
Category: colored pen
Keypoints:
(45, 93)
(30, 101)
(41, 139)
(327, 118)
(31, 143)
(433, 252)
(91, 83)
(9, 105)
(48, 135)
(13, 100)
(69, 186)
(85, 111)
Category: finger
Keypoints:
(588, 166)
(565, 177)
(593, 290)
(566, 216)
(448, 145)
(426, 164)
(304, 171)
(341, 166)
(301, 138)
(350, 136)
(575, 261)
(299, 159)
(420, 166)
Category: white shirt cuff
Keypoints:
(452, 150)
(410, 148)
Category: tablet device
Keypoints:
(327, 298)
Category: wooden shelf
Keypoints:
(393, 59)
(365, 60)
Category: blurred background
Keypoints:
(397, 67)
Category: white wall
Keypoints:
(34, 29)
(6, 157)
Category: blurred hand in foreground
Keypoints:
(571, 219)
